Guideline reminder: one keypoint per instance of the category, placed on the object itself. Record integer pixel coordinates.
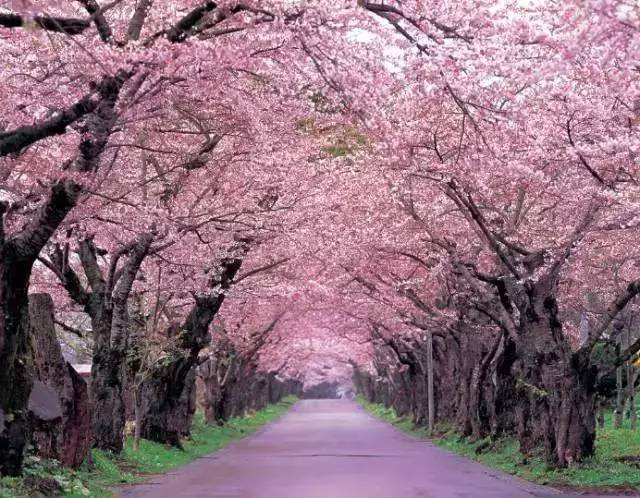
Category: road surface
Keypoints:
(333, 449)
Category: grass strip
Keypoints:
(616, 464)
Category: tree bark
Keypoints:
(105, 301)
(17, 256)
(66, 439)
(168, 395)
(166, 402)
(630, 411)
(107, 378)
(109, 369)
(15, 357)
(555, 386)
(633, 412)
(618, 413)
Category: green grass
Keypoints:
(605, 470)
(150, 458)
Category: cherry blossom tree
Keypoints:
(382, 176)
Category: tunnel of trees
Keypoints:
(218, 204)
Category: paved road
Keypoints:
(333, 449)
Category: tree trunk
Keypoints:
(167, 401)
(630, 410)
(556, 388)
(107, 307)
(168, 396)
(107, 376)
(477, 375)
(17, 256)
(631, 386)
(619, 410)
(501, 403)
(465, 369)
(16, 360)
(69, 438)
(138, 420)
(215, 374)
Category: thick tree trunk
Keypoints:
(106, 304)
(216, 409)
(107, 377)
(18, 254)
(556, 389)
(475, 401)
(499, 389)
(480, 424)
(465, 374)
(15, 360)
(67, 439)
(168, 396)
(216, 375)
(167, 401)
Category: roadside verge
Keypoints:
(48, 478)
(614, 469)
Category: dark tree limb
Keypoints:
(625, 355)
(62, 198)
(582, 158)
(104, 30)
(66, 25)
(103, 97)
(614, 308)
(181, 30)
(259, 339)
(99, 124)
(69, 328)
(207, 305)
(59, 263)
(137, 20)
(578, 234)
(266, 267)
(12, 142)
(90, 266)
(466, 205)
(120, 294)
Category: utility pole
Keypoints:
(430, 406)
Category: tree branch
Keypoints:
(89, 261)
(137, 20)
(69, 279)
(180, 31)
(39, 229)
(12, 142)
(66, 25)
(267, 267)
(97, 14)
(583, 160)
(612, 311)
(69, 328)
